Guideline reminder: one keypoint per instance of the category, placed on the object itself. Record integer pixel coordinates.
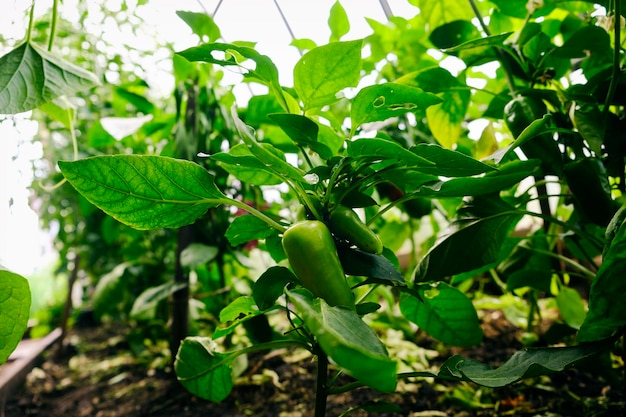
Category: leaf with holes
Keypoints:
(381, 102)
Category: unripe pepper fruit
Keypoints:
(312, 253)
(346, 224)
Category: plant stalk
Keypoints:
(53, 24)
(321, 391)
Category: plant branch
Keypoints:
(31, 21)
(616, 57)
(508, 74)
(53, 24)
(240, 204)
(321, 390)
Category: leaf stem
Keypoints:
(53, 24)
(616, 57)
(31, 21)
(499, 52)
(240, 204)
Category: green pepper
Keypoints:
(520, 112)
(588, 181)
(311, 251)
(346, 225)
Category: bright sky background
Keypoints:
(23, 246)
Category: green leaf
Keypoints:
(347, 340)
(449, 163)
(444, 119)
(246, 228)
(587, 39)
(495, 40)
(383, 101)
(472, 240)
(589, 123)
(201, 24)
(197, 254)
(145, 192)
(239, 310)
(109, 290)
(509, 175)
(14, 311)
(338, 22)
(241, 164)
(203, 371)
(386, 150)
(268, 155)
(326, 70)
(31, 76)
(265, 70)
(437, 12)
(303, 131)
(445, 313)
(607, 310)
(376, 268)
(571, 307)
(271, 285)
(453, 33)
(526, 363)
(59, 110)
(145, 305)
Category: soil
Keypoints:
(99, 377)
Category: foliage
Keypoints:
(550, 154)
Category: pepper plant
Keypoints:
(550, 152)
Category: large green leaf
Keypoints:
(387, 150)
(383, 101)
(526, 363)
(241, 164)
(443, 312)
(472, 240)
(326, 70)
(347, 340)
(506, 177)
(31, 76)
(607, 310)
(145, 192)
(449, 163)
(203, 371)
(14, 310)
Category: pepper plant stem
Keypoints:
(321, 392)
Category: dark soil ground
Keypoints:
(101, 378)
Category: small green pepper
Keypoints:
(312, 253)
(346, 225)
